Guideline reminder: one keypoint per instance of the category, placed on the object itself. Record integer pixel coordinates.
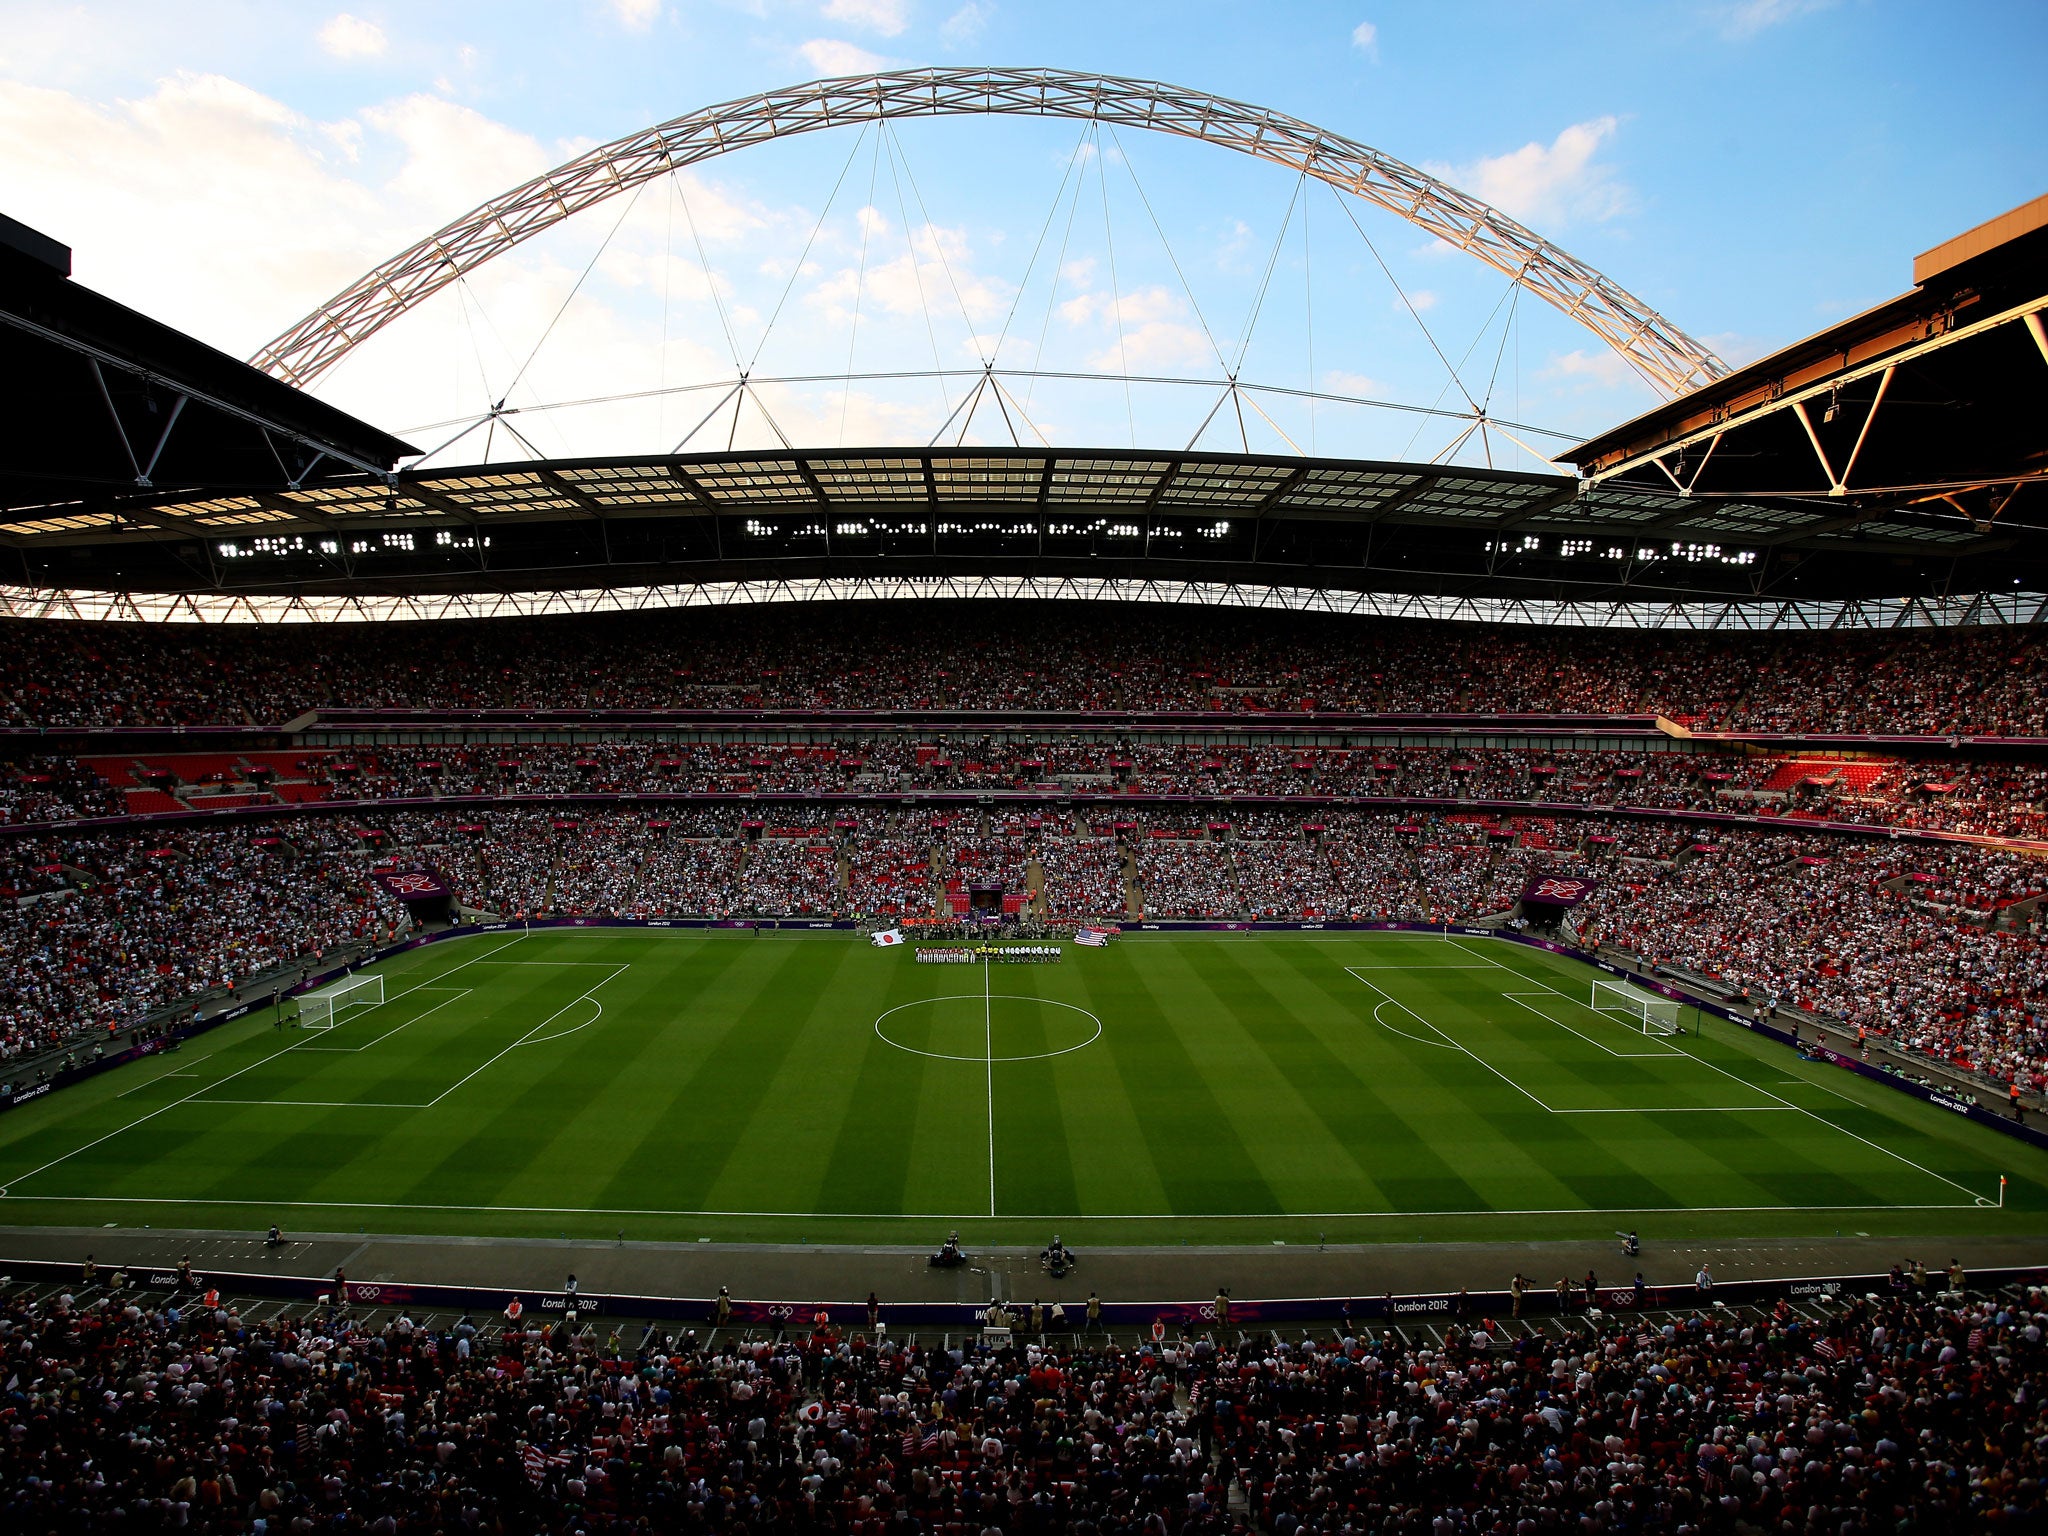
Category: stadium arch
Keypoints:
(1670, 360)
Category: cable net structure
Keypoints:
(1639, 341)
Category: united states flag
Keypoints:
(539, 1463)
(1825, 1348)
(1094, 938)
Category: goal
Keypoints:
(323, 1009)
(1638, 1010)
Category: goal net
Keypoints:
(322, 1009)
(1638, 1010)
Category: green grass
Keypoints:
(1169, 1089)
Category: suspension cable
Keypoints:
(938, 245)
(1051, 212)
(1406, 302)
(1116, 301)
(1131, 170)
(576, 288)
(1059, 265)
(1069, 375)
(916, 272)
(1251, 320)
(810, 240)
(668, 263)
(704, 263)
(1308, 300)
(859, 287)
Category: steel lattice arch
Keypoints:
(1652, 345)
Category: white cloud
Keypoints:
(1554, 183)
(1737, 347)
(1603, 369)
(1341, 381)
(1421, 300)
(252, 220)
(888, 17)
(1143, 330)
(835, 56)
(1365, 37)
(913, 277)
(350, 37)
(1237, 250)
(1156, 344)
(455, 157)
(258, 214)
(636, 15)
(965, 26)
(1138, 307)
(1744, 19)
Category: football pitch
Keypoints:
(1169, 1089)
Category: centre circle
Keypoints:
(986, 1027)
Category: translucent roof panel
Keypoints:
(871, 479)
(988, 479)
(752, 481)
(1086, 481)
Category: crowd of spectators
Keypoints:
(2006, 799)
(1844, 929)
(1934, 944)
(140, 923)
(889, 877)
(42, 788)
(1904, 1411)
(1084, 876)
(1010, 656)
(1195, 879)
(1999, 798)
(111, 924)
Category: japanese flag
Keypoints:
(886, 937)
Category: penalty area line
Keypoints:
(216, 1083)
(1813, 1115)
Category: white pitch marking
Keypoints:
(1820, 1119)
(1522, 998)
(260, 1061)
(1441, 1045)
(988, 1052)
(314, 1103)
(618, 970)
(565, 1034)
(1008, 997)
(1452, 966)
(955, 1216)
(152, 1082)
(350, 1050)
(1418, 1018)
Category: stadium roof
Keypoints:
(735, 517)
(1880, 472)
(1919, 418)
(109, 403)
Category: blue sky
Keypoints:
(1754, 169)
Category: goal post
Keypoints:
(1638, 1010)
(324, 1007)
